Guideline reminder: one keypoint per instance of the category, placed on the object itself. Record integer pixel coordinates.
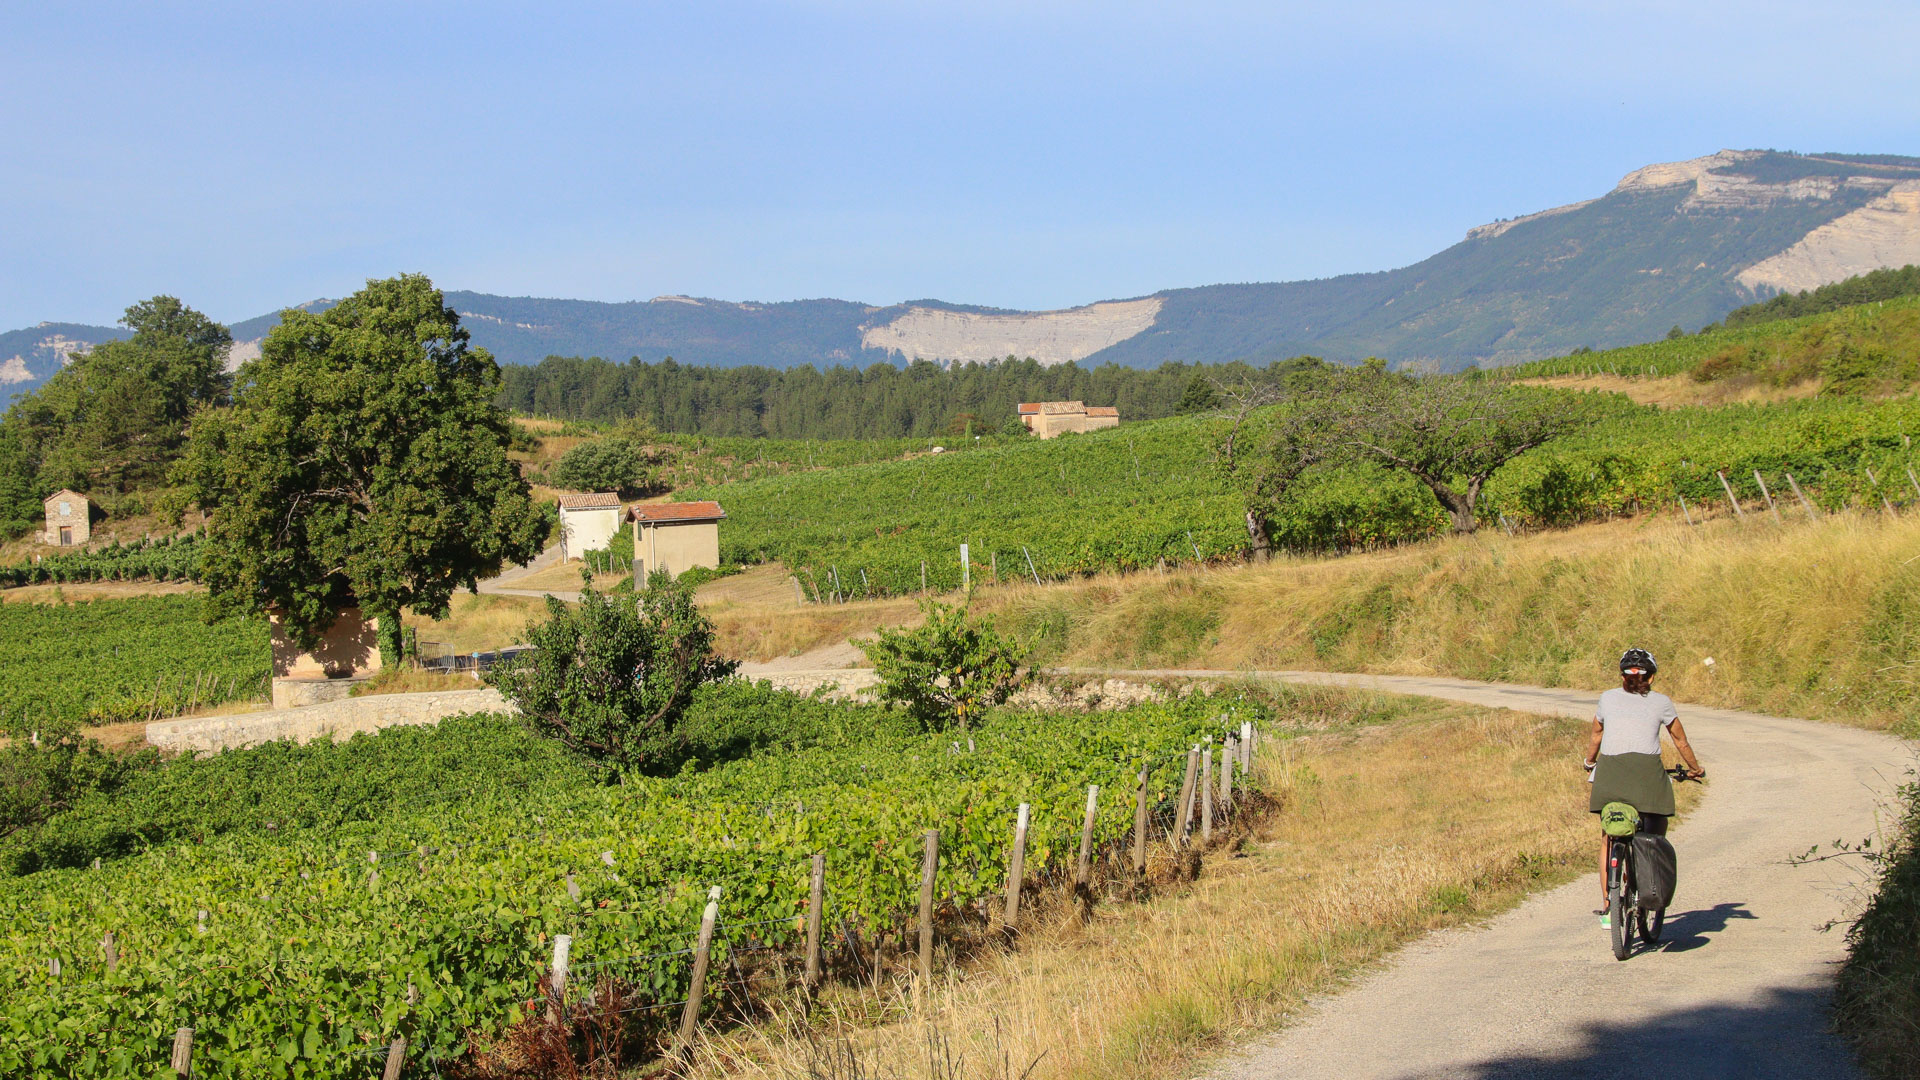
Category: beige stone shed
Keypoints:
(347, 654)
(587, 523)
(1049, 418)
(676, 536)
(69, 518)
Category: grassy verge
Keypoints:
(1439, 816)
(1818, 619)
(1877, 1000)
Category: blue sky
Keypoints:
(1029, 155)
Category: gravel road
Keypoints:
(1740, 987)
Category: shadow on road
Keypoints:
(1780, 1036)
(1689, 929)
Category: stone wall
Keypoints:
(334, 719)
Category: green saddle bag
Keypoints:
(1619, 819)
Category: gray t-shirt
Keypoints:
(1631, 723)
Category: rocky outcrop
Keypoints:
(1671, 173)
(1051, 337)
(1495, 228)
(1883, 233)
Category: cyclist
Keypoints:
(1623, 759)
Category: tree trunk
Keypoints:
(1458, 506)
(1257, 534)
(388, 628)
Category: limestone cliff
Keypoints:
(1051, 337)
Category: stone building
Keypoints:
(587, 523)
(1049, 418)
(675, 536)
(69, 518)
(347, 654)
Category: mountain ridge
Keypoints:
(1673, 243)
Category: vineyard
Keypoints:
(1848, 346)
(106, 661)
(1129, 499)
(165, 559)
(300, 949)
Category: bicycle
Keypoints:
(1625, 916)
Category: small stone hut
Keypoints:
(69, 518)
(587, 523)
(1049, 418)
(675, 537)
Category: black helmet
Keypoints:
(1638, 658)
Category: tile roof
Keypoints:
(1103, 410)
(69, 492)
(686, 511)
(1027, 407)
(597, 501)
(1056, 408)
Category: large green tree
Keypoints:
(363, 462)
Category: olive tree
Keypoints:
(363, 463)
(950, 669)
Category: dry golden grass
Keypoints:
(94, 590)
(478, 622)
(1807, 619)
(756, 617)
(1384, 833)
(1681, 391)
(414, 681)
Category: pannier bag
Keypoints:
(1655, 867)
(1619, 819)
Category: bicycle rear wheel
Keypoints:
(1617, 922)
(1651, 923)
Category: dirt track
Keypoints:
(1739, 988)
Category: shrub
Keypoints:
(1878, 991)
(611, 679)
(617, 463)
(949, 669)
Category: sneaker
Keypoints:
(1606, 920)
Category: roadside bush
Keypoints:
(1878, 992)
(950, 669)
(610, 679)
(44, 775)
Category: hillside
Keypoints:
(1679, 243)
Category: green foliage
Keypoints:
(1867, 288)
(284, 787)
(363, 462)
(44, 773)
(617, 463)
(842, 403)
(115, 418)
(950, 669)
(611, 679)
(303, 963)
(107, 661)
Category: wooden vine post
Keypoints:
(816, 900)
(702, 957)
(928, 867)
(1186, 799)
(1768, 495)
(396, 1057)
(1017, 865)
(1728, 488)
(1140, 825)
(557, 978)
(1229, 757)
(1083, 867)
(1802, 496)
(182, 1060)
(1206, 795)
